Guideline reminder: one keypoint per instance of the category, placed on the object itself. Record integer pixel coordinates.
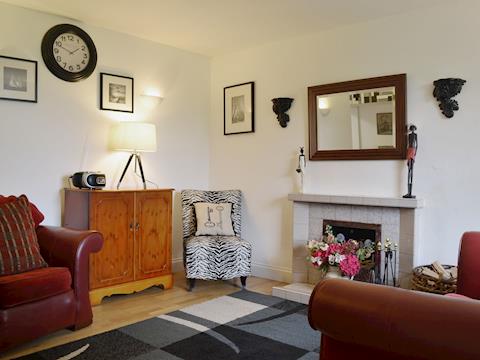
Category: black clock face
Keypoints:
(69, 53)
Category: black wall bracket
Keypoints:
(444, 91)
(280, 107)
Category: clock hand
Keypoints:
(74, 51)
(66, 50)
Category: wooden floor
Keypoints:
(121, 310)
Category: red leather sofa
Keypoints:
(44, 300)
(365, 321)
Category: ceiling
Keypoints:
(214, 27)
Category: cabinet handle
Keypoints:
(137, 226)
(131, 226)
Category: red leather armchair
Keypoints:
(44, 300)
(468, 283)
(365, 321)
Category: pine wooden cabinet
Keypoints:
(137, 230)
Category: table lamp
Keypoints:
(135, 137)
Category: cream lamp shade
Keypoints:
(134, 137)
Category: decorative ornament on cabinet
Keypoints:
(445, 90)
(280, 107)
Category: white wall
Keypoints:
(335, 127)
(367, 113)
(66, 132)
(427, 45)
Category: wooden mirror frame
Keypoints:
(399, 152)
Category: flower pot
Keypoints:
(333, 272)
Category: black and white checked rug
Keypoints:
(244, 325)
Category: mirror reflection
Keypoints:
(354, 120)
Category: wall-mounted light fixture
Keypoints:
(280, 108)
(323, 106)
(444, 91)
(151, 98)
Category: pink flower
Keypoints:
(334, 248)
(350, 266)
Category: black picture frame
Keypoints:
(18, 79)
(49, 58)
(123, 99)
(239, 109)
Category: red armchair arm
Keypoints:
(71, 248)
(366, 319)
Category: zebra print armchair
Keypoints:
(214, 257)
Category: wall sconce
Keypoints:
(323, 106)
(444, 91)
(151, 98)
(280, 108)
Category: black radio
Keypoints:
(88, 180)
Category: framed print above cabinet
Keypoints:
(238, 109)
(18, 79)
(116, 93)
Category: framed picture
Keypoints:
(18, 79)
(116, 93)
(238, 109)
(384, 123)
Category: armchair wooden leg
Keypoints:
(243, 280)
(191, 284)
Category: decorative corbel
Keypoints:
(444, 90)
(280, 107)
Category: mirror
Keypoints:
(358, 120)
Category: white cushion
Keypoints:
(214, 219)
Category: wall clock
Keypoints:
(69, 52)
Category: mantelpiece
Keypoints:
(358, 200)
(398, 217)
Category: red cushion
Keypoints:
(19, 249)
(33, 286)
(36, 214)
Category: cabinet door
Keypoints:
(153, 233)
(112, 214)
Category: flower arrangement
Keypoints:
(347, 255)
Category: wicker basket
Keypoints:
(422, 282)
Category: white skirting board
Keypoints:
(177, 265)
(259, 270)
(272, 272)
(299, 292)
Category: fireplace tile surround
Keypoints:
(399, 219)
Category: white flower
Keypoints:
(331, 259)
(339, 258)
(323, 246)
(315, 260)
(312, 244)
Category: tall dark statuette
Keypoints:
(444, 90)
(280, 107)
(411, 153)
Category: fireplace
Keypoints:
(397, 219)
(364, 234)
